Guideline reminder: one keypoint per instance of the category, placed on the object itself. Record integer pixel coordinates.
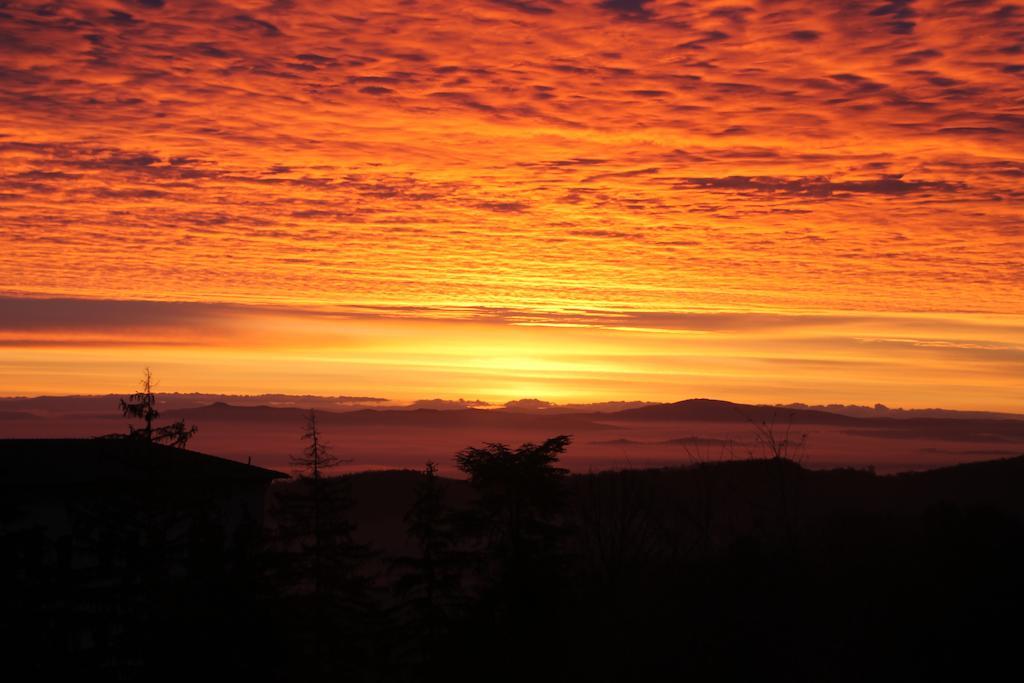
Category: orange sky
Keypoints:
(816, 201)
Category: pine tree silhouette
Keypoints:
(429, 583)
(142, 405)
(315, 558)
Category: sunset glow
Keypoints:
(573, 201)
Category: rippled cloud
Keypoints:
(538, 156)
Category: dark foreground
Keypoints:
(739, 570)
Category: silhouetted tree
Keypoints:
(428, 583)
(520, 492)
(318, 561)
(142, 405)
(517, 522)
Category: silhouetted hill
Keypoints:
(709, 410)
(100, 404)
(62, 405)
(1009, 432)
(226, 412)
(991, 482)
(536, 406)
(422, 417)
(879, 410)
(105, 404)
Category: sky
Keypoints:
(498, 199)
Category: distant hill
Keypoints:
(709, 410)
(695, 409)
(423, 417)
(949, 429)
(548, 408)
(879, 410)
(107, 404)
(269, 431)
(692, 410)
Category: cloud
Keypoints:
(445, 404)
(246, 22)
(91, 315)
(804, 36)
(504, 207)
(73, 318)
(821, 187)
(515, 162)
(634, 10)
(528, 404)
(537, 8)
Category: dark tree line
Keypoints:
(730, 570)
(314, 564)
(477, 574)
